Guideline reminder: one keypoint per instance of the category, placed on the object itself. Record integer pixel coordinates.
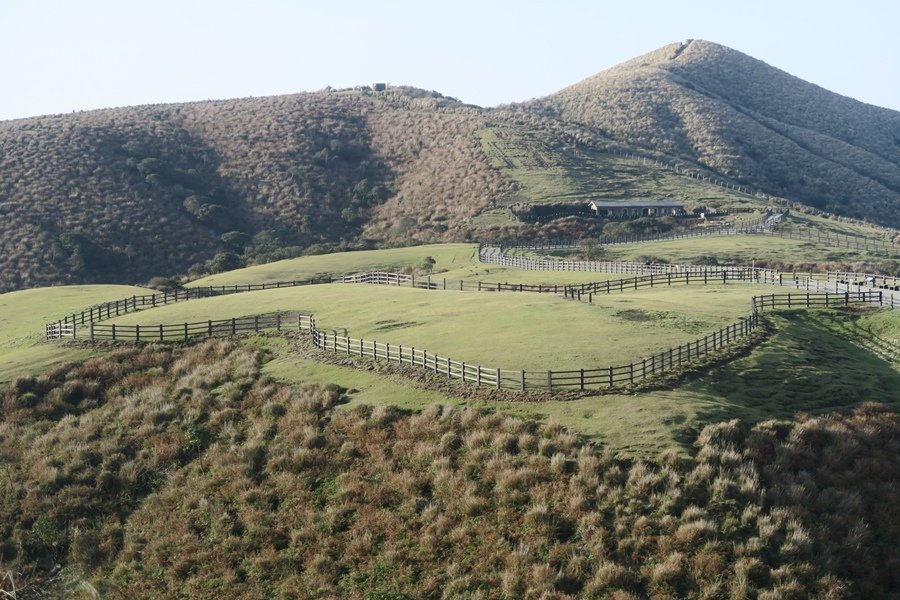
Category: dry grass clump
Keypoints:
(83, 446)
(171, 484)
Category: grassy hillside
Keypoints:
(727, 112)
(269, 490)
(446, 256)
(510, 331)
(22, 318)
(123, 195)
(545, 170)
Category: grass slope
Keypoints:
(805, 366)
(183, 472)
(548, 172)
(506, 330)
(22, 318)
(447, 256)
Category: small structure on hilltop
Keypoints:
(379, 87)
(620, 209)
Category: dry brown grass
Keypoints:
(150, 474)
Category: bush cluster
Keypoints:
(131, 193)
(183, 472)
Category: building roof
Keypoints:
(638, 204)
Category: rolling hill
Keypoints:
(126, 194)
(748, 121)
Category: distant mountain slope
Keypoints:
(748, 121)
(126, 194)
(122, 195)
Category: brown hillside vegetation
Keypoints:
(122, 195)
(181, 472)
(747, 121)
(126, 194)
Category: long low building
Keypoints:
(620, 209)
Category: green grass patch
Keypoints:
(446, 256)
(549, 173)
(22, 318)
(738, 250)
(804, 367)
(507, 330)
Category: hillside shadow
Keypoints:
(803, 367)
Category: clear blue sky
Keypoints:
(59, 56)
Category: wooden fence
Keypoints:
(494, 255)
(115, 308)
(574, 290)
(581, 378)
(174, 332)
(873, 280)
(590, 378)
(763, 226)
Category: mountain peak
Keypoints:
(735, 115)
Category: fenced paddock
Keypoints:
(620, 376)
(123, 306)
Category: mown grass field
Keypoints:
(22, 318)
(452, 261)
(804, 367)
(508, 330)
(732, 249)
(795, 370)
(546, 173)
(446, 256)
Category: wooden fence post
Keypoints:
(522, 380)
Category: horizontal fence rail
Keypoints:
(766, 225)
(174, 332)
(115, 308)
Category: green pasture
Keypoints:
(509, 330)
(545, 172)
(804, 366)
(24, 313)
(452, 262)
(852, 228)
(732, 250)
(812, 362)
(446, 256)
